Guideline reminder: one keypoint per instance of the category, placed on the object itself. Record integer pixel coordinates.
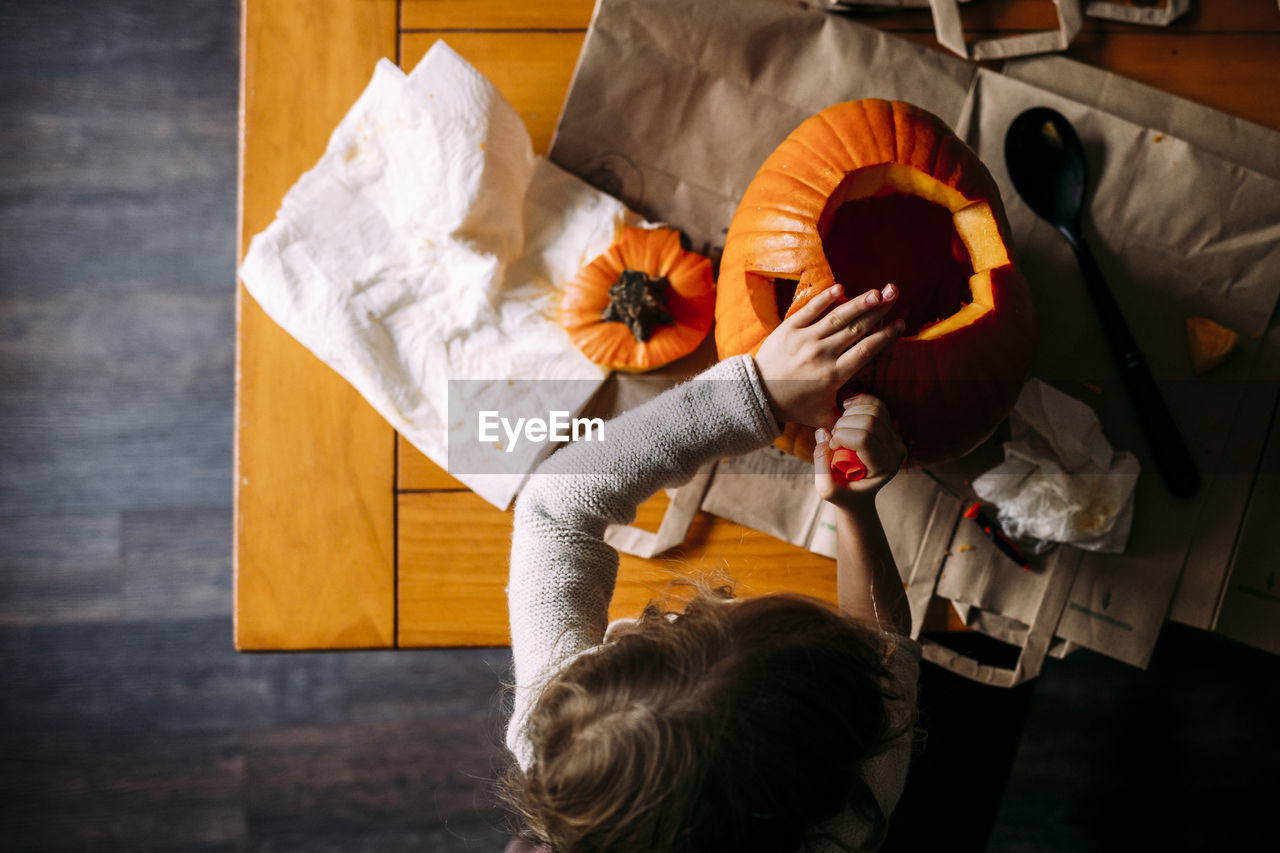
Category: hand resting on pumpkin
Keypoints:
(806, 359)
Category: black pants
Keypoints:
(958, 775)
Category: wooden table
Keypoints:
(346, 536)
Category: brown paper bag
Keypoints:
(950, 31)
(674, 118)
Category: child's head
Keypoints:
(736, 725)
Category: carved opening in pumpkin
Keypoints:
(908, 241)
(784, 292)
(893, 223)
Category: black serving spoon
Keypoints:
(1047, 165)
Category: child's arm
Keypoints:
(867, 580)
(562, 571)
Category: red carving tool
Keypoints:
(846, 467)
(997, 536)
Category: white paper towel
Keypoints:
(429, 244)
(1061, 481)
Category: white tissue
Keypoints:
(1061, 481)
(428, 244)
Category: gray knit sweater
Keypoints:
(563, 572)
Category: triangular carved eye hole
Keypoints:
(784, 291)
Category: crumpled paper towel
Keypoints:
(429, 244)
(1061, 481)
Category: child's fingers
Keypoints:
(879, 462)
(877, 450)
(816, 307)
(862, 413)
(845, 335)
(849, 323)
(870, 444)
(821, 446)
(864, 404)
(866, 429)
(849, 426)
(822, 478)
(866, 350)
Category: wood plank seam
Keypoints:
(429, 30)
(1006, 17)
(1011, 31)
(395, 434)
(400, 34)
(395, 441)
(922, 29)
(395, 510)
(430, 491)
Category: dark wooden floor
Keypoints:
(126, 720)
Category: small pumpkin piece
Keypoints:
(642, 304)
(1210, 344)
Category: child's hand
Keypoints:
(813, 352)
(865, 429)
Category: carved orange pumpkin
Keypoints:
(642, 304)
(872, 192)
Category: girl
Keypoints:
(774, 723)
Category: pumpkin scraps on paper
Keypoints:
(642, 304)
(872, 192)
(1209, 344)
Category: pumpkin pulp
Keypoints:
(892, 223)
(907, 241)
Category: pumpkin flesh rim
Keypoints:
(974, 221)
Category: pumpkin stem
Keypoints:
(640, 301)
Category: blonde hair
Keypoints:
(735, 725)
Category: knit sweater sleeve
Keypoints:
(562, 571)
